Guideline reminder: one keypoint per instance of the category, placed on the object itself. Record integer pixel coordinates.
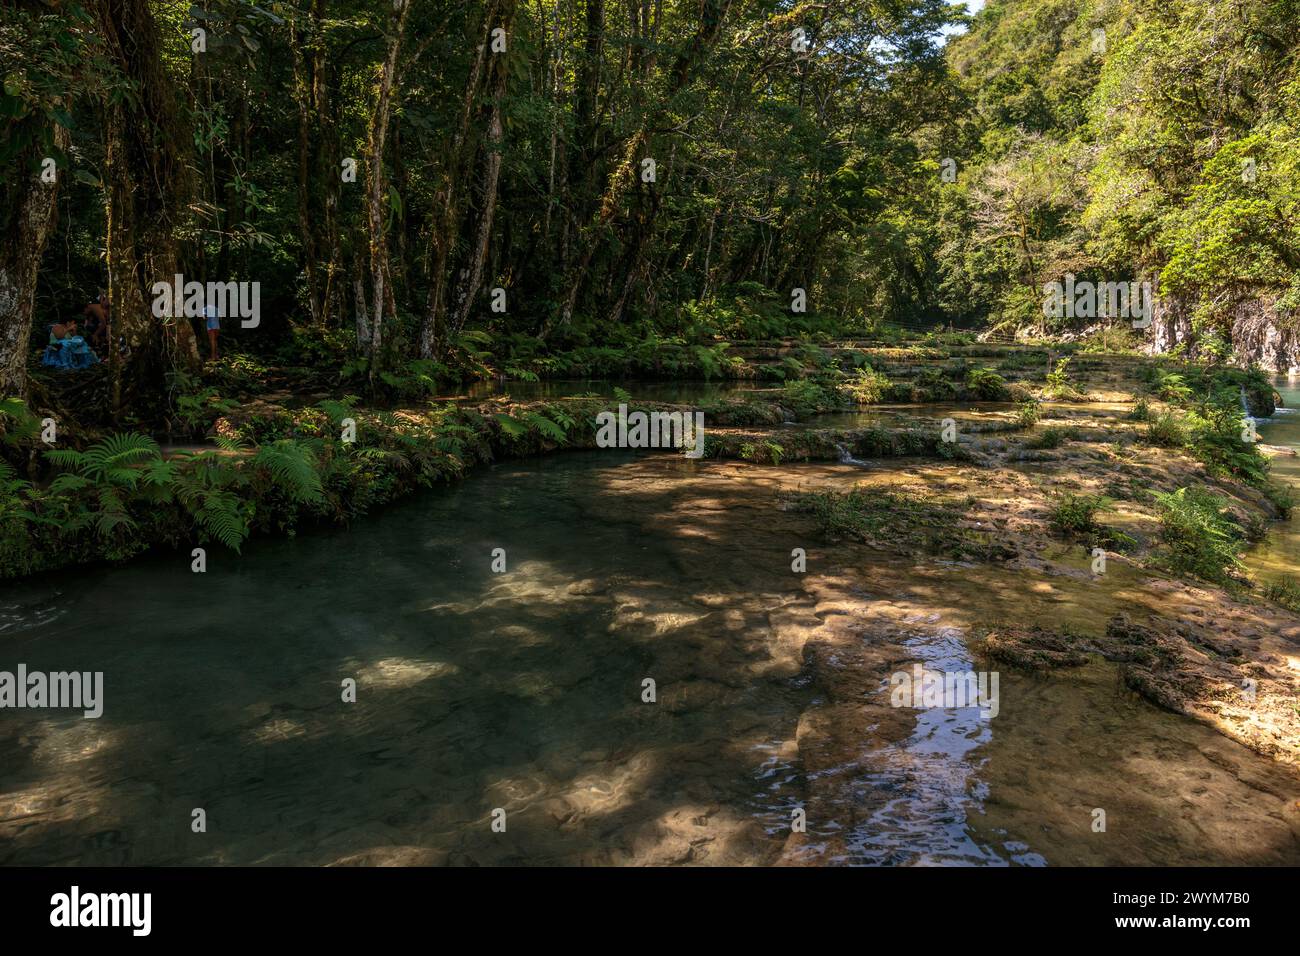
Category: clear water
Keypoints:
(674, 391)
(1278, 556)
(523, 691)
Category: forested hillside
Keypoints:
(1128, 139)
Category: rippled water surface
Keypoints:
(524, 691)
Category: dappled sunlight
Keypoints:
(275, 731)
(396, 672)
(523, 690)
(72, 741)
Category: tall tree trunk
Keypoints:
(712, 15)
(376, 182)
(147, 190)
(471, 277)
(444, 224)
(25, 224)
(302, 94)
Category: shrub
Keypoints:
(867, 387)
(808, 398)
(1170, 386)
(1029, 412)
(1217, 437)
(987, 385)
(1058, 382)
(767, 452)
(1167, 431)
(1199, 537)
(1076, 515)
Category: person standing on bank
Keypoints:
(214, 326)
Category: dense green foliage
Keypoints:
(1200, 538)
(1164, 148)
(431, 193)
(883, 173)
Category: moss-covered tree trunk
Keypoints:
(27, 207)
(448, 202)
(376, 185)
(147, 184)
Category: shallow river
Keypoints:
(524, 691)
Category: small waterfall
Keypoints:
(1246, 410)
(846, 456)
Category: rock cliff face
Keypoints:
(1259, 333)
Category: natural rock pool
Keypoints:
(523, 690)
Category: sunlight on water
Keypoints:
(523, 691)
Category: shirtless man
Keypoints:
(96, 315)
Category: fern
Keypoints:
(116, 459)
(452, 437)
(562, 418)
(12, 492)
(339, 409)
(17, 423)
(550, 429)
(292, 467)
(232, 443)
(219, 516)
(511, 426)
(68, 482)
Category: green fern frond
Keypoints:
(511, 426)
(111, 456)
(219, 516)
(68, 482)
(231, 443)
(292, 467)
(109, 520)
(338, 409)
(160, 473)
(68, 458)
(550, 429)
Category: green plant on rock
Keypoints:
(867, 386)
(765, 452)
(1166, 430)
(1029, 412)
(1058, 382)
(1198, 536)
(986, 385)
(1076, 515)
(1052, 437)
